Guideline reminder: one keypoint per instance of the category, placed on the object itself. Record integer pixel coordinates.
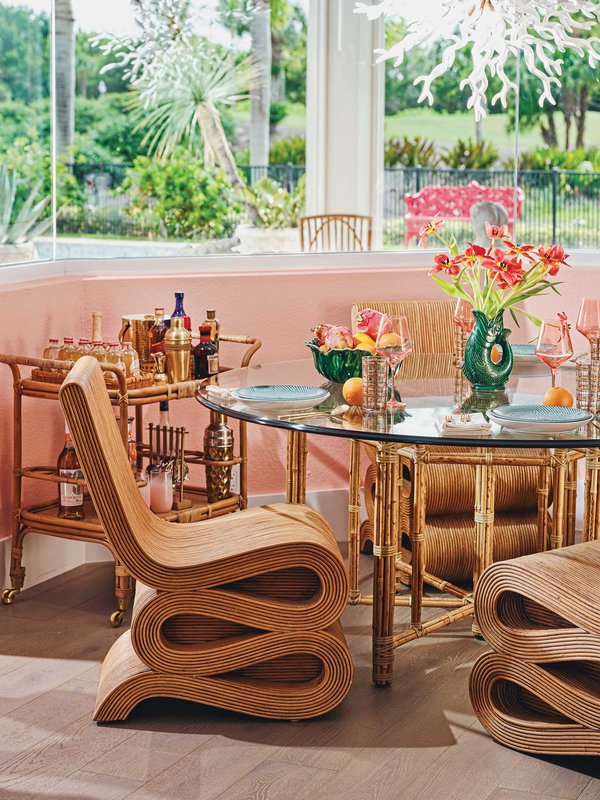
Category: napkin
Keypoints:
(219, 394)
(463, 425)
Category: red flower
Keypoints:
(430, 227)
(522, 250)
(443, 263)
(552, 256)
(506, 270)
(472, 254)
(496, 231)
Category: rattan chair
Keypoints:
(538, 692)
(450, 533)
(338, 233)
(239, 612)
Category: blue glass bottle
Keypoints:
(179, 311)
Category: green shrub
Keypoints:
(277, 113)
(190, 201)
(274, 206)
(467, 154)
(407, 152)
(291, 150)
(546, 158)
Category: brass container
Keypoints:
(178, 343)
(218, 446)
(135, 328)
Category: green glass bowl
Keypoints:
(338, 365)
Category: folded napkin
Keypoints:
(463, 425)
(219, 394)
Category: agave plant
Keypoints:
(26, 224)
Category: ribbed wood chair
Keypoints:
(539, 691)
(337, 233)
(239, 612)
(450, 532)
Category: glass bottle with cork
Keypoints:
(70, 495)
(206, 356)
(156, 337)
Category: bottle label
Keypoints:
(70, 493)
(213, 364)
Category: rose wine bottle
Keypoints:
(70, 495)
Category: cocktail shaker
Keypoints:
(177, 349)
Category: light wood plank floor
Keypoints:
(415, 741)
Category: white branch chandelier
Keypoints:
(495, 30)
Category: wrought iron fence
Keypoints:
(560, 206)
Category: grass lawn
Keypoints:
(444, 129)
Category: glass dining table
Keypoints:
(431, 387)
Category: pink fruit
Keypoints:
(339, 337)
(373, 323)
(320, 332)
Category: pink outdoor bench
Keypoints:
(454, 203)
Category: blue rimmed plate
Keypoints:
(287, 396)
(539, 418)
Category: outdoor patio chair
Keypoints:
(337, 233)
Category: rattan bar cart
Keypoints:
(43, 518)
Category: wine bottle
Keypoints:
(70, 495)
(206, 357)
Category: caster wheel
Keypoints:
(8, 595)
(116, 618)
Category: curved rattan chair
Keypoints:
(338, 233)
(539, 692)
(239, 612)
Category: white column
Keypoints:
(345, 113)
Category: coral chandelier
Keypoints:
(495, 30)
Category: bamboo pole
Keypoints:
(557, 534)
(354, 522)
(418, 534)
(484, 520)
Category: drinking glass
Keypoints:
(463, 315)
(394, 344)
(588, 323)
(554, 346)
(161, 491)
(142, 475)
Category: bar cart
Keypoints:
(125, 394)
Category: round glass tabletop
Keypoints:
(432, 388)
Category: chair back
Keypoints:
(127, 521)
(431, 322)
(338, 233)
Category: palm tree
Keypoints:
(260, 99)
(177, 102)
(65, 74)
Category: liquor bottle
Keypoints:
(98, 350)
(96, 327)
(215, 326)
(84, 347)
(206, 357)
(52, 349)
(179, 312)
(131, 360)
(114, 355)
(66, 351)
(156, 337)
(70, 495)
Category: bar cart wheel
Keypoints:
(116, 618)
(8, 595)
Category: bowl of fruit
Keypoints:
(338, 353)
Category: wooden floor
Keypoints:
(416, 740)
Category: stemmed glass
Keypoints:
(588, 323)
(554, 345)
(394, 344)
(463, 315)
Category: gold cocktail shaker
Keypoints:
(177, 349)
(218, 446)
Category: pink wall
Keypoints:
(279, 308)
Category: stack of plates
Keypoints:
(540, 419)
(288, 396)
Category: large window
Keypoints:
(181, 127)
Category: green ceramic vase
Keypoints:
(485, 374)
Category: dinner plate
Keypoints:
(287, 396)
(539, 418)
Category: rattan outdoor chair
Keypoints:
(239, 612)
(337, 233)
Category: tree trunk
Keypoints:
(549, 134)
(584, 99)
(260, 98)
(214, 136)
(65, 75)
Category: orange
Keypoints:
(368, 346)
(389, 339)
(323, 348)
(558, 397)
(353, 391)
(363, 338)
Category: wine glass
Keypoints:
(554, 345)
(394, 344)
(463, 315)
(588, 323)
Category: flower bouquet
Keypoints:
(493, 280)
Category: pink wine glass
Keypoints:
(554, 345)
(463, 315)
(394, 343)
(588, 323)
